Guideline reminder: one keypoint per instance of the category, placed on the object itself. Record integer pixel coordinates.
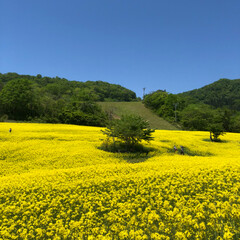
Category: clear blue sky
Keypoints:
(158, 44)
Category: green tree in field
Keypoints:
(215, 131)
(129, 130)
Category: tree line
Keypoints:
(216, 106)
(57, 100)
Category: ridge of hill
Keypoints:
(57, 88)
(221, 93)
(116, 109)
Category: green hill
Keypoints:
(200, 109)
(222, 93)
(56, 100)
(58, 88)
(116, 109)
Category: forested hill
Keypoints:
(57, 100)
(222, 93)
(213, 106)
(59, 87)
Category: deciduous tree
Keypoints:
(130, 130)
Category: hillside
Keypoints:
(222, 93)
(217, 104)
(56, 100)
(119, 108)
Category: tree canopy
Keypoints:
(58, 87)
(130, 130)
(18, 99)
(222, 93)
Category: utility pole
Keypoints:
(144, 91)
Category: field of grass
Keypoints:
(55, 183)
(119, 108)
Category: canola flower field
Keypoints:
(55, 183)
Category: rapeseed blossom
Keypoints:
(55, 183)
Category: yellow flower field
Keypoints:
(55, 183)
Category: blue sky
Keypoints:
(157, 44)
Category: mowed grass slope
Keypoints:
(119, 108)
(55, 183)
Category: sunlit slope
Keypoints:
(56, 184)
(119, 108)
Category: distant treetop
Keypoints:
(89, 90)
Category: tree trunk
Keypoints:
(211, 137)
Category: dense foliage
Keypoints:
(165, 104)
(56, 184)
(222, 93)
(45, 99)
(130, 130)
(17, 99)
(200, 109)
